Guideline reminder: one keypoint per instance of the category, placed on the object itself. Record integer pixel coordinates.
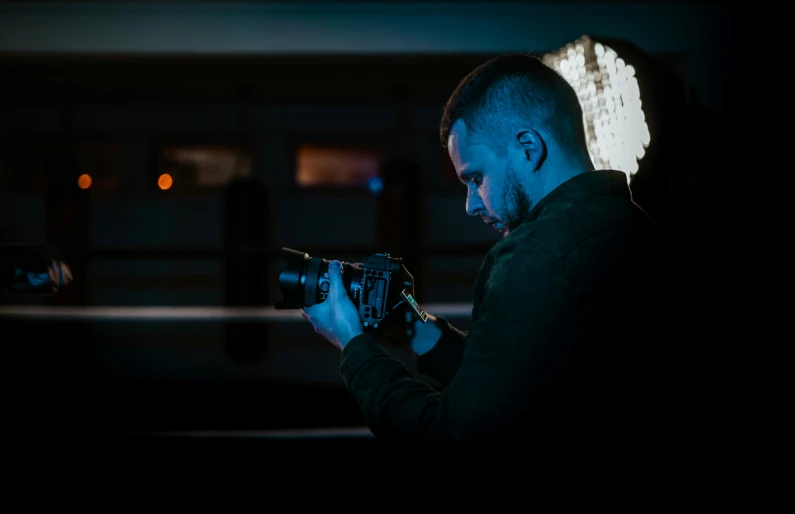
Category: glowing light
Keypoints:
(319, 166)
(375, 185)
(207, 166)
(84, 181)
(164, 181)
(616, 129)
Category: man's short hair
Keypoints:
(513, 89)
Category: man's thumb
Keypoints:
(335, 275)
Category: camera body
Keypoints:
(383, 280)
(377, 286)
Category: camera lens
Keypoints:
(303, 280)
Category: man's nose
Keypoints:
(474, 203)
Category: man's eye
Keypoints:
(475, 181)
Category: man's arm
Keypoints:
(507, 358)
(439, 347)
(436, 345)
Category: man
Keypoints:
(568, 326)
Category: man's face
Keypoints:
(495, 191)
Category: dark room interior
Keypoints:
(169, 151)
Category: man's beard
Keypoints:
(516, 202)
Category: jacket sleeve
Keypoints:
(506, 359)
(443, 360)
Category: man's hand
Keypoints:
(425, 335)
(336, 318)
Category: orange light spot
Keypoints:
(165, 181)
(84, 181)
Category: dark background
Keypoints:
(110, 88)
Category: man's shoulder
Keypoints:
(572, 224)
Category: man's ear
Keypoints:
(533, 147)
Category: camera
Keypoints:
(377, 287)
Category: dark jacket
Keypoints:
(568, 337)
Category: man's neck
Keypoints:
(563, 174)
